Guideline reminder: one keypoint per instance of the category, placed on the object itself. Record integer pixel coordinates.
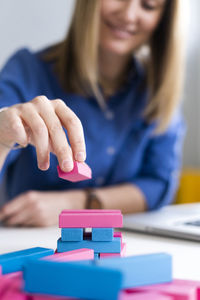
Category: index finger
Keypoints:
(74, 129)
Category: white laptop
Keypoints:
(179, 221)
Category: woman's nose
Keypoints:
(130, 10)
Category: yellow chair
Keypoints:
(189, 188)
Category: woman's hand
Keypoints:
(40, 209)
(39, 122)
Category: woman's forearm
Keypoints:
(126, 197)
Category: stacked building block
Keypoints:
(92, 229)
(42, 274)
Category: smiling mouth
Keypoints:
(121, 31)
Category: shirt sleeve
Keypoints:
(14, 82)
(159, 175)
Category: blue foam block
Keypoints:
(96, 255)
(81, 280)
(14, 261)
(72, 234)
(100, 247)
(102, 234)
(141, 269)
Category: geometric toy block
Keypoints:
(71, 279)
(81, 171)
(193, 283)
(100, 247)
(117, 234)
(72, 234)
(80, 254)
(176, 289)
(102, 234)
(89, 218)
(96, 256)
(141, 270)
(121, 254)
(143, 296)
(14, 261)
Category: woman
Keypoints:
(127, 105)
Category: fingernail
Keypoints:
(67, 165)
(44, 166)
(80, 156)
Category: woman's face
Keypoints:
(127, 24)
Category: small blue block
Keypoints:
(71, 279)
(141, 269)
(96, 255)
(102, 234)
(72, 234)
(100, 247)
(14, 261)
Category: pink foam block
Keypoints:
(174, 289)
(11, 279)
(90, 218)
(193, 283)
(80, 254)
(81, 171)
(144, 296)
(121, 254)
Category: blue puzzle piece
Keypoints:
(72, 279)
(141, 269)
(102, 234)
(14, 261)
(72, 234)
(100, 247)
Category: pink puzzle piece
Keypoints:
(121, 254)
(81, 171)
(174, 289)
(144, 296)
(80, 254)
(90, 218)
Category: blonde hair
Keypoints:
(76, 59)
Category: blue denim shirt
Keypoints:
(121, 146)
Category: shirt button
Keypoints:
(99, 180)
(110, 150)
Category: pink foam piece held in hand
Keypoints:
(81, 171)
(90, 218)
(80, 254)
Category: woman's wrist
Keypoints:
(75, 199)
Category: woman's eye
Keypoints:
(149, 5)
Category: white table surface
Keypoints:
(186, 254)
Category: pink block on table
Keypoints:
(81, 171)
(173, 289)
(90, 218)
(13, 294)
(80, 254)
(121, 254)
(143, 296)
(194, 283)
(12, 279)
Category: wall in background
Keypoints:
(37, 24)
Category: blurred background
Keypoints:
(37, 24)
